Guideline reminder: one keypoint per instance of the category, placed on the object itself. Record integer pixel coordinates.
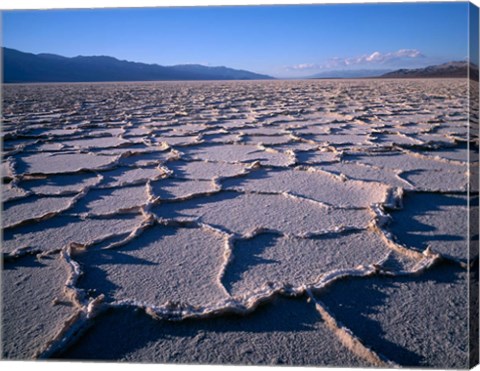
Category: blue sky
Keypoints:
(278, 40)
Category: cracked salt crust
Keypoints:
(206, 200)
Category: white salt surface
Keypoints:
(123, 176)
(237, 153)
(213, 203)
(404, 161)
(295, 261)
(60, 184)
(24, 210)
(181, 188)
(315, 157)
(316, 185)
(103, 142)
(162, 264)
(60, 231)
(6, 169)
(107, 202)
(245, 213)
(46, 163)
(204, 170)
(37, 305)
(10, 193)
(367, 173)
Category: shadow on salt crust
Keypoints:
(281, 332)
(438, 221)
(416, 321)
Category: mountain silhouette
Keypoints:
(20, 67)
(450, 69)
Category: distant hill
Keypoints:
(20, 67)
(348, 74)
(450, 69)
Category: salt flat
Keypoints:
(274, 222)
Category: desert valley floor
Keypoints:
(266, 222)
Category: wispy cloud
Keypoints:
(375, 58)
(303, 66)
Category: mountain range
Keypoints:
(445, 70)
(450, 69)
(20, 67)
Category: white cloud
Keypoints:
(303, 66)
(374, 58)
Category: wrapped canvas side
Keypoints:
(473, 183)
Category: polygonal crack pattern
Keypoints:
(323, 222)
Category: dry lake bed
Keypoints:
(266, 222)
